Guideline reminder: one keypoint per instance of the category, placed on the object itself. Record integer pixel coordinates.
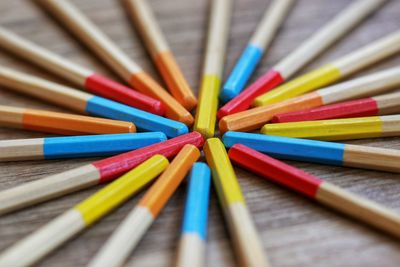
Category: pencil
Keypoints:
(160, 52)
(321, 152)
(218, 29)
(98, 172)
(248, 246)
(52, 235)
(259, 42)
(75, 146)
(125, 238)
(367, 85)
(90, 35)
(78, 75)
(83, 102)
(313, 187)
(329, 73)
(339, 129)
(341, 24)
(370, 106)
(60, 123)
(192, 243)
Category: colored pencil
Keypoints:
(254, 50)
(101, 171)
(341, 24)
(192, 243)
(321, 152)
(83, 102)
(248, 245)
(367, 85)
(75, 146)
(128, 234)
(218, 29)
(78, 75)
(370, 106)
(60, 123)
(329, 73)
(339, 129)
(313, 187)
(52, 235)
(160, 52)
(106, 49)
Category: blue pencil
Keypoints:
(194, 229)
(252, 54)
(76, 146)
(318, 151)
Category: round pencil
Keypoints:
(75, 146)
(218, 29)
(341, 24)
(312, 187)
(127, 235)
(98, 172)
(372, 84)
(370, 106)
(338, 129)
(192, 243)
(160, 52)
(52, 235)
(87, 32)
(329, 73)
(83, 102)
(321, 152)
(260, 40)
(76, 74)
(60, 123)
(247, 243)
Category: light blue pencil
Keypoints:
(191, 250)
(258, 44)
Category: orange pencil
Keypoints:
(108, 51)
(159, 50)
(125, 238)
(60, 123)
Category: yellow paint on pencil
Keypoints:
(121, 189)
(207, 106)
(339, 129)
(305, 83)
(224, 177)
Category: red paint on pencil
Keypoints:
(113, 167)
(350, 109)
(243, 101)
(107, 88)
(274, 170)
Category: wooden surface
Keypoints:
(294, 231)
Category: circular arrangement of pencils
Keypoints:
(152, 136)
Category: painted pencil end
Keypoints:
(241, 72)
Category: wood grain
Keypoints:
(295, 232)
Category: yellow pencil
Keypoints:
(247, 242)
(339, 129)
(329, 73)
(213, 67)
(40, 243)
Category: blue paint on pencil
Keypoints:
(144, 121)
(289, 148)
(196, 208)
(97, 145)
(241, 73)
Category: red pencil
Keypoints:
(317, 189)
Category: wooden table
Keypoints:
(295, 231)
